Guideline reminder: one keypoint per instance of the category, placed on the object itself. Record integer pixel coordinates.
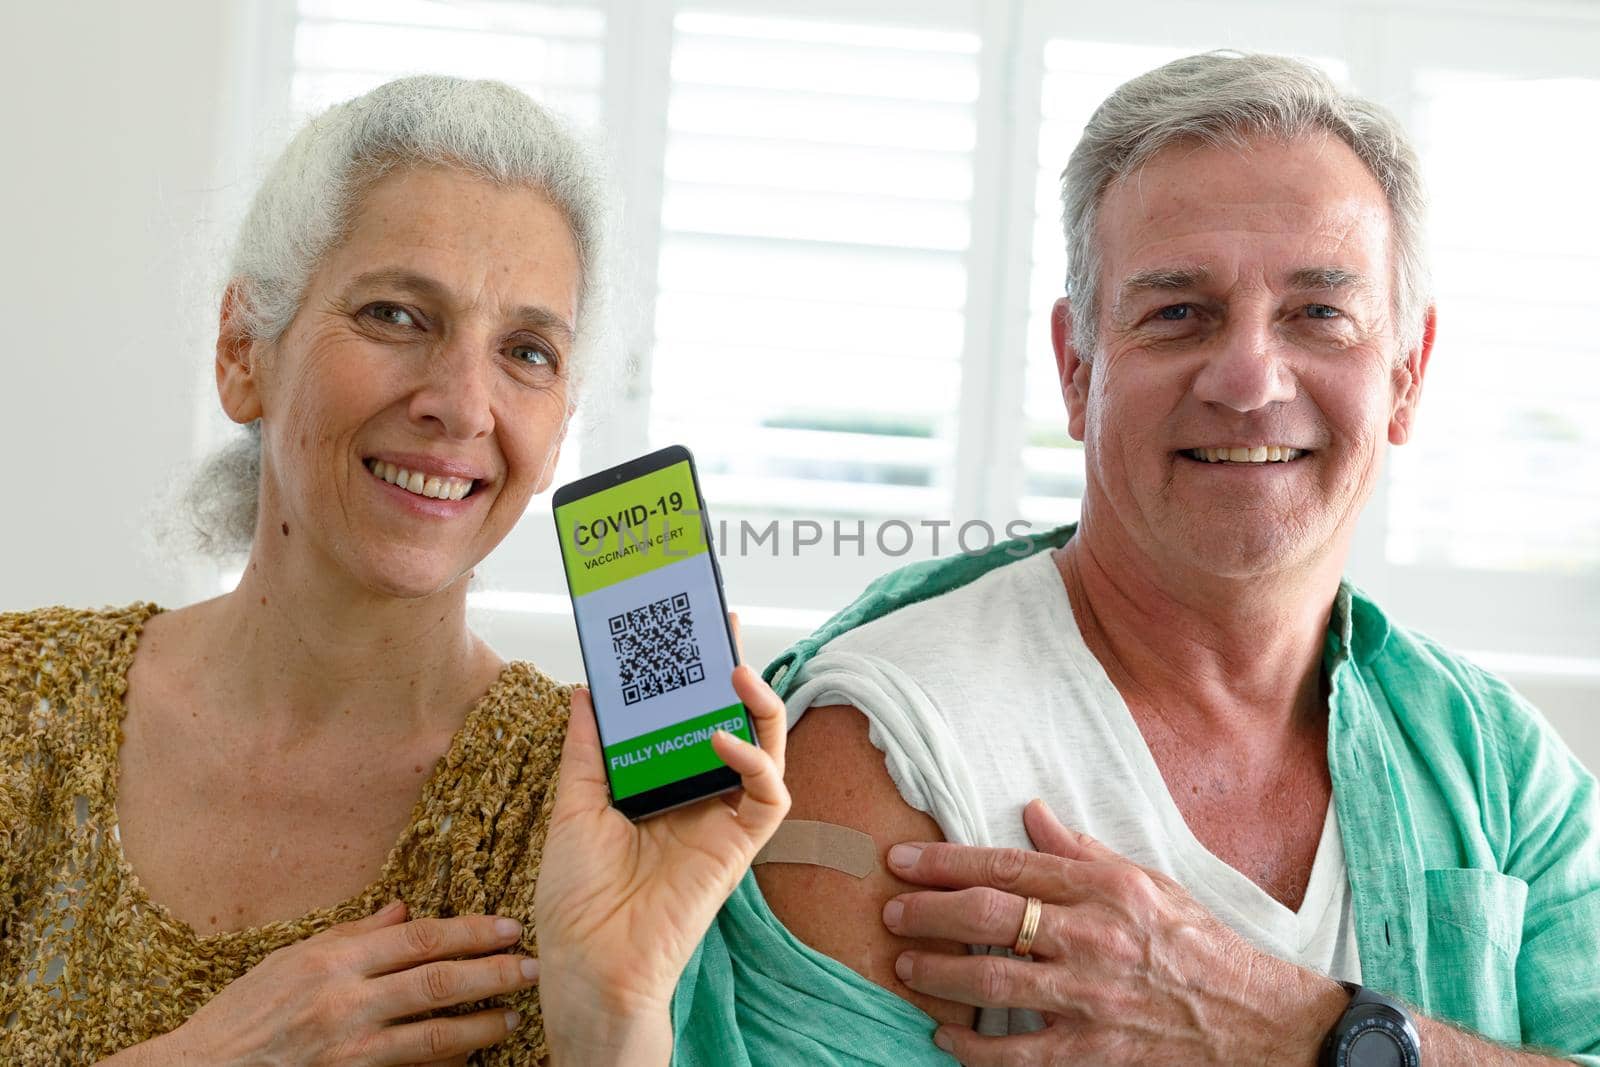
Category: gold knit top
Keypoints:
(90, 965)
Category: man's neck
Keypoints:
(1223, 656)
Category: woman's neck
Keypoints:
(303, 653)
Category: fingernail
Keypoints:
(391, 907)
(507, 927)
(892, 912)
(512, 1019)
(530, 969)
(942, 1039)
(902, 967)
(904, 855)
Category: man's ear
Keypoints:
(1071, 369)
(1408, 382)
(238, 385)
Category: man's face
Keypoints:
(1247, 304)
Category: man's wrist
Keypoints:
(1314, 1005)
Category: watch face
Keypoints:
(1375, 1048)
(1380, 1039)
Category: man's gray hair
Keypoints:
(308, 202)
(1223, 99)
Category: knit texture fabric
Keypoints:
(89, 964)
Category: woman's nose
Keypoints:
(455, 390)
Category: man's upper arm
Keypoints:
(835, 775)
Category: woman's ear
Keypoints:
(237, 383)
(1071, 369)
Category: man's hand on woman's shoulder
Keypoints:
(835, 775)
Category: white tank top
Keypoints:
(986, 697)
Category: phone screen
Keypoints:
(652, 625)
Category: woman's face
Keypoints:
(431, 347)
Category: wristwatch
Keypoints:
(1375, 1031)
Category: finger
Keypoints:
(1050, 834)
(431, 986)
(434, 1039)
(1018, 1050)
(581, 785)
(980, 916)
(426, 940)
(768, 717)
(1016, 870)
(766, 799)
(982, 981)
(738, 636)
(388, 915)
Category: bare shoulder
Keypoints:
(835, 775)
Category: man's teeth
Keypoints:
(1258, 454)
(423, 485)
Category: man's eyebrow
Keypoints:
(532, 315)
(1163, 278)
(1159, 279)
(1328, 278)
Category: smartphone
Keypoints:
(653, 628)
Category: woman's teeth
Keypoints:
(423, 485)
(1259, 454)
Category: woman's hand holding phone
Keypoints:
(620, 906)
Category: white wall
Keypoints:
(113, 113)
(123, 124)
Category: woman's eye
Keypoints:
(1174, 313)
(530, 355)
(1321, 311)
(390, 314)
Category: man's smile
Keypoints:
(1245, 454)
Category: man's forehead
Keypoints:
(1271, 207)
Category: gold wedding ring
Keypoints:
(1030, 926)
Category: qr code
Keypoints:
(656, 650)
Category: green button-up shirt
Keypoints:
(1471, 836)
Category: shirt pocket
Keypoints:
(1474, 936)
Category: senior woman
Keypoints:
(315, 820)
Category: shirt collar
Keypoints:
(1358, 629)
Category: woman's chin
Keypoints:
(413, 575)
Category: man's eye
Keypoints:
(390, 314)
(1321, 311)
(1175, 313)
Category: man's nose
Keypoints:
(455, 392)
(1247, 370)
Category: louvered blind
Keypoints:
(554, 53)
(814, 221)
(1504, 472)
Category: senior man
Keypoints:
(1298, 831)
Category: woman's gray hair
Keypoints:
(1222, 99)
(308, 202)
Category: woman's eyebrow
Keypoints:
(531, 315)
(401, 278)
